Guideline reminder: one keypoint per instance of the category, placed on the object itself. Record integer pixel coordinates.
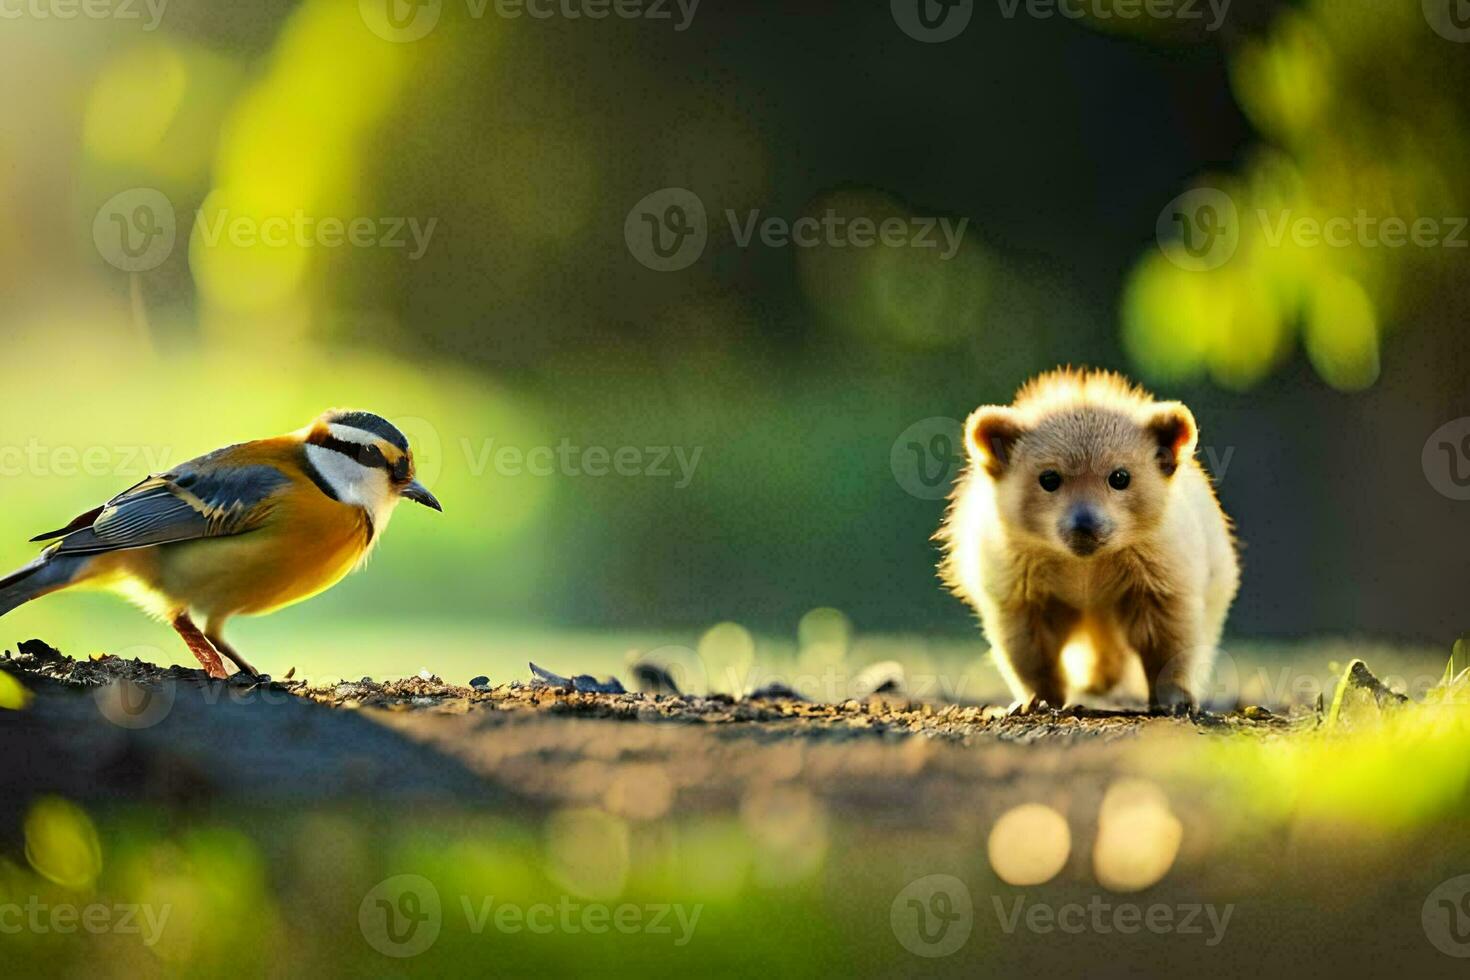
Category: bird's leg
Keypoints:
(199, 645)
(213, 635)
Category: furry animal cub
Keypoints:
(1085, 534)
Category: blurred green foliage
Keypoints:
(526, 324)
(1360, 125)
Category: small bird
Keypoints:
(243, 530)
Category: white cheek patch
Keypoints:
(367, 487)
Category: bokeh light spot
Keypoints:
(789, 827)
(14, 696)
(1029, 844)
(587, 853)
(1138, 836)
(62, 844)
(133, 103)
(728, 653)
(1342, 334)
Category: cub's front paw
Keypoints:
(1172, 700)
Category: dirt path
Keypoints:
(110, 729)
(832, 817)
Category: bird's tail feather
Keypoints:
(46, 574)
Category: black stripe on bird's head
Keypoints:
(373, 443)
(365, 448)
(374, 425)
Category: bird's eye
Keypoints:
(371, 456)
(1119, 479)
(1051, 481)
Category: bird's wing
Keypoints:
(204, 498)
(81, 521)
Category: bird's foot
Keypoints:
(200, 646)
(213, 666)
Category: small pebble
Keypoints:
(480, 683)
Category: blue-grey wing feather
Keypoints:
(195, 500)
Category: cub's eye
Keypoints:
(1051, 481)
(1119, 479)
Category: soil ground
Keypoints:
(118, 729)
(800, 827)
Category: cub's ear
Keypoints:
(1172, 428)
(990, 436)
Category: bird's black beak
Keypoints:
(420, 494)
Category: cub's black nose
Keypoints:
(1084, 530)
(1085, 522)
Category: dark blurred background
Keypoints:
(530, 314)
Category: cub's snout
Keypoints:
(1085, 530)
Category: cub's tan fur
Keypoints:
(1102, 573)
